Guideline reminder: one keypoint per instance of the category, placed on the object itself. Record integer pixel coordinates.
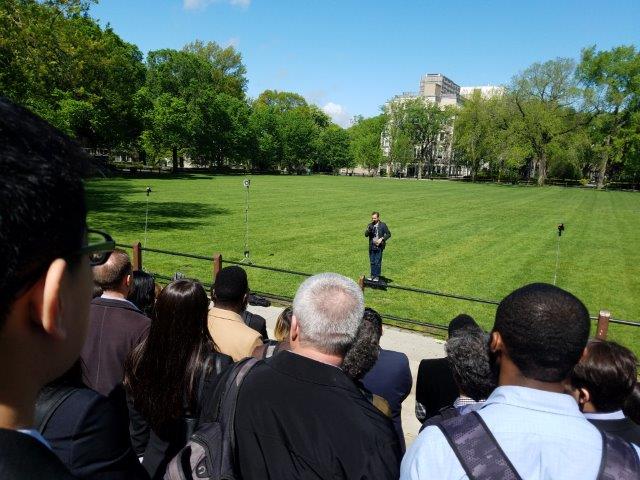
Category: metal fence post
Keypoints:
(603, 324)
(217, 265)
(136, 260)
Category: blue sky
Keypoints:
(349, 56)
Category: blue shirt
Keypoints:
(543, 433)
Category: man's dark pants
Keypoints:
(375, 257)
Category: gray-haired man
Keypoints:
(298, 415)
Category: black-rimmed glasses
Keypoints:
(99, 247)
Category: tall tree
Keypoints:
(547, 99)
(61, 64)
(612, 80)
(228, 73)
(475, 132)
(366, 136)
(333, 149)
(426, 125)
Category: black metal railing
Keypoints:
(218, 261)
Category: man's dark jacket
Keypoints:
(298, 418)
(115, 328)
(257, 322)
(383, 231)
(390, 378)
(23, 457)
(91, 437)
(624, 428)
(435, 386)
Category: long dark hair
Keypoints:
(163, 370)
(143, 291)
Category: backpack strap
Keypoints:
(227, 412)
(47, 404)
(619, 459)
(268, 352)
(477, 449)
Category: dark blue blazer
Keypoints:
(390, 378)
(91, 438)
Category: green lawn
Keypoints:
(478, 240)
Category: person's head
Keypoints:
(364, 352)
(604, 377)
(631, 407)
(462, 324)
(327, 311)
(231, 289)
(115, 274)
(468, 355)
(45, 274)
(283, 325)
(161, 369)
(541, 330)
(143, 291)
(375, 217)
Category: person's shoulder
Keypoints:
(394, 355)
(120, 308)
(25, 457)
(430, 457)
(431, 364)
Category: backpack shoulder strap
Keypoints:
(477, 449)
(227, 411)
(269, 351)
(48, 403)
(619, 459)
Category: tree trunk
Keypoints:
(419, 170)
(174, 154)
(542, 168)
(603, 163)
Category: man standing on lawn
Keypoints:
(378, 234)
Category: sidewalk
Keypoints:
(414, 345)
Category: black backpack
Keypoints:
(482, 458)
(209, 454)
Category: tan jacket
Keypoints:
(231, 335)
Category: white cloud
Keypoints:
(202, 4)
(338, 114)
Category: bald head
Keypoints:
(112, 276)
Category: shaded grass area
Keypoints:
(477, 240)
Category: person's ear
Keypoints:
(294, 331)
(495, 342)
(47, 300)
(584, 397)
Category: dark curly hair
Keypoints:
(468, 355)
(363, 353)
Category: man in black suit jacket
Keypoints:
(116, 325)
(435, 386)
(310, 420)
(257, 322)
(601, 382)
(378, 234)
(45, 279)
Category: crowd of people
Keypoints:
(105, 375)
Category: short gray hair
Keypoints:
(468, 356)
(329, 309)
